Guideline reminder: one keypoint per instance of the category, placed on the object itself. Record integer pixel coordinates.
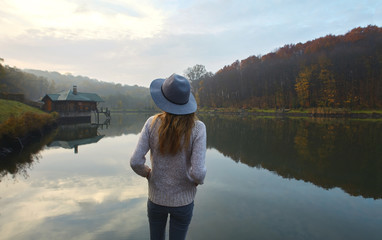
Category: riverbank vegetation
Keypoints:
(18, 120)
(9, 108)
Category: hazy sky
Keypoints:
(135, 41)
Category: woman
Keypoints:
(177, 144)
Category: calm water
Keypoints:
(268, 178)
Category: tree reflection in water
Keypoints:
(65, 136)
(18, 163)
(326, 152)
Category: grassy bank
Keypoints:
(18, 120)
(10, 108)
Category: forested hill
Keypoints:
(331, 71)
(34, 84)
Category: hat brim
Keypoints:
(161, 101)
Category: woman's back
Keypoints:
(173, 177)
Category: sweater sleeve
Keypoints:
(138, 159)
(198, 155)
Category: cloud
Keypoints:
(77, 20)
(34, 205)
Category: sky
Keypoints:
(136, 41)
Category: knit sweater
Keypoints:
(173, 178)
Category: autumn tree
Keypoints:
(302, 86)
(328, 97)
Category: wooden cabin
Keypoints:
(72, 105)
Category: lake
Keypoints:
(267, 178)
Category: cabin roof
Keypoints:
(70, 96)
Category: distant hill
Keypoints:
(86, 84)
(34, 84)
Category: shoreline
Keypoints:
(353, 115)
(312, 113)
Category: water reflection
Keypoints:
(18, 163)
(69, 136)
(95, 195)
(122, 124)
(328, 153)
(90, 195)
(75, 135)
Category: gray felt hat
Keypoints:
(173, 95)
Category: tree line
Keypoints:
(342, 71)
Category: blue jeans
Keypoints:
(180, 219)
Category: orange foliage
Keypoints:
(28, 122)
(359, 33)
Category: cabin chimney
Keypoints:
(75, 90)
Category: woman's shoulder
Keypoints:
(149, 122)
(199, 123)
(199, 126)
(151, 119)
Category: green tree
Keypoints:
(196, 72)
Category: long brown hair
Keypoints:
(171, 131)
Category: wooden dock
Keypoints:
(105, 111)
